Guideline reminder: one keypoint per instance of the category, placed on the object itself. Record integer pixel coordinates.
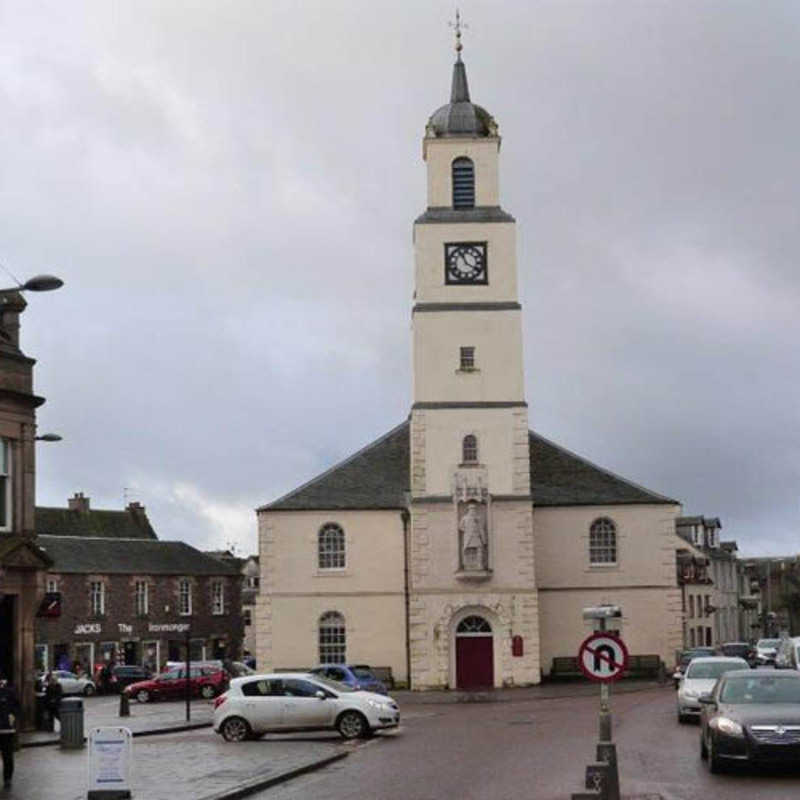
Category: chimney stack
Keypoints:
(78, 502)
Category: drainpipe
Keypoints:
(406, 517)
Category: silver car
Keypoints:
(288, 701)
(699, 678)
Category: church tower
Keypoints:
(473, 616)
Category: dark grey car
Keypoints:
(751, 717)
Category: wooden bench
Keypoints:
(640, 666)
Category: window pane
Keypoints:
(331, 553)
(603, 542)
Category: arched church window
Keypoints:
(330, 546)
(603, 542)
(469, 449)
(473, 624)
(332, 638)
(463, 183)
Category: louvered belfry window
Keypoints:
(463, 183)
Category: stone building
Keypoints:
(718, 619)
(124, 595)
(460, 548)
(22, 562)
(697, 586)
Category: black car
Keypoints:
(739, 650)
(751, 717)
(124, 675)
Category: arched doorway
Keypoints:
(474, 653)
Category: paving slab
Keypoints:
(191, 765)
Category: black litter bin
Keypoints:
(71, 717)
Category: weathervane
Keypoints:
(457, 26)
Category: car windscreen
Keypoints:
(760, 689)
(706, 670)
(768, 642)
(362, 672)
(335, 685)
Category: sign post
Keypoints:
(603, 657)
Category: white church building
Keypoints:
(460, 548)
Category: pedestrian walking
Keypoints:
(9, 713)
(52, 697)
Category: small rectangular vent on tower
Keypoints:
(463, 183)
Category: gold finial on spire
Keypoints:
(457, 26)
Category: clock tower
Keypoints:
(473, 618)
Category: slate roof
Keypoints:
(129, 556)
(377, 477)
(94, 523)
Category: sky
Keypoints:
(228, 191)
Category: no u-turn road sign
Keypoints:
(603, 657)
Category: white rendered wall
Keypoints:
(440, 154)
(294, 592)
(429, 278)
(497, 339)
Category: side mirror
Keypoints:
(320, 694)
(707, 699)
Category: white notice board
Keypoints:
(110, 757)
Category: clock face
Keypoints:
(465, 262)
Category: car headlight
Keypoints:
(689, 693)
(728, 726)
(376, 704)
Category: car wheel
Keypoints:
(352, 725)
(235, 729)
(89, 690)
(142, 696)
(715, 765)
(207, 691)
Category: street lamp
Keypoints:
(48, 437)
(38, 283)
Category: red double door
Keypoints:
(474, 662)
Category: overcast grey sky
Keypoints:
(227, 190)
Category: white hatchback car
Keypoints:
(297, 701)
(699, 678)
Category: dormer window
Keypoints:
(463, 183)
(469, 449)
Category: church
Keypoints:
(460, 548)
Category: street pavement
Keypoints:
(533, 748)
(193, 765)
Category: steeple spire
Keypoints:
(459, 92)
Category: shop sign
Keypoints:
(124, 627)
(87, 627)
(168, 627)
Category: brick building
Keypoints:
(126, 596)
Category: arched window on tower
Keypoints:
(603, 542)
(469, 449)
(332, 638)
(463, 183)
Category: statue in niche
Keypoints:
(474, 537)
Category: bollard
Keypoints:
(597, 778)
(71, 714)
(607, 752)
(124, 704)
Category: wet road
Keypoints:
(533, 749)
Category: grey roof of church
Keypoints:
(125, 524)
(460, 117)
(377, 477)
(129, 556)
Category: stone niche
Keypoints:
(472, 513)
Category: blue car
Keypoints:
(357, 676)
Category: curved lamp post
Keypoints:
(38, 283)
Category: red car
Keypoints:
(206, 682)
